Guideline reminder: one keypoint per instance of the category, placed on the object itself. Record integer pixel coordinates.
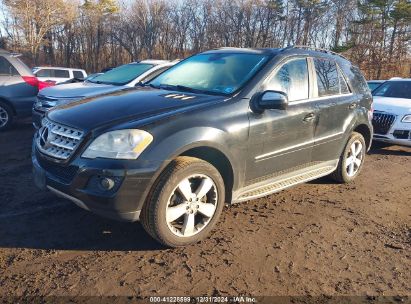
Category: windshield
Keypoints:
(396, 89)
(374, 85)
(218, 73)
(123, 74)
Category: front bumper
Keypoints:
(37, 116)
(399, 133)
(79, 182)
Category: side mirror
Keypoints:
(272, 100)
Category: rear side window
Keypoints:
(61, 74)
(78, 74)
(53, 73)
(330, 80)
(292, 79)
(44, 73)
(6, 68)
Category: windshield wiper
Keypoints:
(182, 88)
(150, 85)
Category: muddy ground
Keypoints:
(317, 238)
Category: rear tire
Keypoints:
(351, 160)
(185, 203)
(6, 116)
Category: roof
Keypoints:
(263, 51)
(60, 68)
(399, 79)
(154, 61)
(275, 51)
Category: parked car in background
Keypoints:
(392, 112)
(58, 75)
(227, 125)
(18, 88)
(373, 84)
(117, 79)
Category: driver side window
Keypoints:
(292, 79)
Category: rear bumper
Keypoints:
(80, 182)
(23, 105)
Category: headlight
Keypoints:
(121, 144)
(407, 118)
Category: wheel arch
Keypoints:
(365, 131)
(7, 102)
(219, 160)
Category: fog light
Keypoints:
(107, 183)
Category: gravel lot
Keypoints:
(319, 238)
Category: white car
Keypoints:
(57, 75)
(126, 76)
(392, 112)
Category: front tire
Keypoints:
(185, 203)
(6, 116)
(351, 160)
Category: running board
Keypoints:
(285, 181)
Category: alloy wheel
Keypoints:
(191, 205)
(354, 158)
(4, 117)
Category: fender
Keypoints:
(177, 143)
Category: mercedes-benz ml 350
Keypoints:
(224, 126)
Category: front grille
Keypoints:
(382, 122)
(58, 141)
(64, 173)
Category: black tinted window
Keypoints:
(327, 77)
(44, 73)
(78, 74)
(61, 74)
(292, 79)
(6, 68)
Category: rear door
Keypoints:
(283, 139)
(336, 104)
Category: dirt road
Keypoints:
(317, 238)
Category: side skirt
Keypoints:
(284, 181)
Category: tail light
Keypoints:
(31, 80)
(45, 84)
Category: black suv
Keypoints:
(227, 125)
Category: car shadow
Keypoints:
(325, 180)
(64, 226)
(390, 150)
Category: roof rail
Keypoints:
(306, 47)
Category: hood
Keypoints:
(392, 105)
(125, 106)
(79, 89)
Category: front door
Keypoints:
(282, 140)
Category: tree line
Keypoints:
(95, 34)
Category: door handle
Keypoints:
(352, 106)
(309, 117)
